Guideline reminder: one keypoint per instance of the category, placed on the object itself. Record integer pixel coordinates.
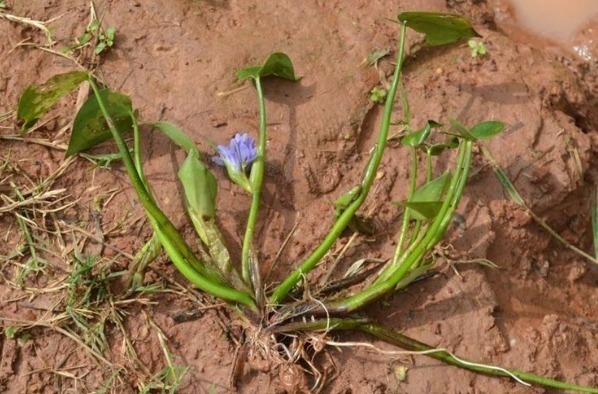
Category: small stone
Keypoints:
(533, 335)
(577, 271)
(401, 373)
(51, 125)
(543, 269)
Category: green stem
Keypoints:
(433, 235)
(137, 149)
(368, 178)
(174, 244)
(407, 214)
(152, 248)
(249, 261)
(399, 255)
(394, 337)
(428, 167)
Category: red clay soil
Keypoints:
(537, 313)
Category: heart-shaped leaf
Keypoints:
(437, 149)
(427, 199)
(439, 28)
(433, 190)
(177, 136)
(423, 210)
(36, 100)
(90, 127)
(277, 64)
(417, 138)
(486, 130)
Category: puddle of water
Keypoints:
(556, 19)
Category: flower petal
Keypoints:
(240, 153)
(246, 146)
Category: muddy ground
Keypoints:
(537, 313)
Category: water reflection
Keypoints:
(556, 19)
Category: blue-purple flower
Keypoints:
(237, 158)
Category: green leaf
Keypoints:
(405, 102)
(417, 138)
(427, 199)
(110, 33)
(11, 332)
(84, 38)
(424, 210)
(200, 188)
(277, 64)
(100, 47)
(219, 258)
(437, 149)
(176, 135)
(433, 190)
(461, 130)
(248, 72)
(506, 183)
(346, 199)
(93, 25)
(439, 28)
(486, 130)
(199, 184)
(90, 127)
(215, 243)
(36, 100)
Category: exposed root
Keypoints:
(423, 352)
(301, 358)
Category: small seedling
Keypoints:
(35, 264)
(477, 47)
(2, 4)
(11, 331)
(95, 35)
(378, 95)
(105, 40)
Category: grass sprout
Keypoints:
(168, 379)
(516, 197)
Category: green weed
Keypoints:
(477, 47)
